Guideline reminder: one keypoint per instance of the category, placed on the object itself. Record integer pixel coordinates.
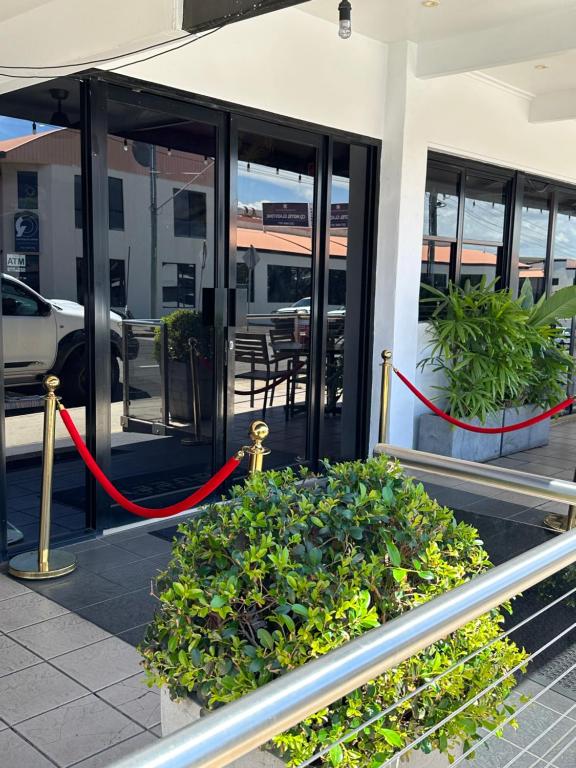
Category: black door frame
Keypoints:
(97, 89)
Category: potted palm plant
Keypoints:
(501, 360)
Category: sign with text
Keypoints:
(339, 216)
(16, 262)
(26, 232)
(286, 214)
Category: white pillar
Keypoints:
(403, 180)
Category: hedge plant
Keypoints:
(182, 325)
(288, 571)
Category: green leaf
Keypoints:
(183, 657)
(393, 553)
(560, 306)
(399, 574)
(301, 610)
(393, 738)
(218, 601)
(336, 755)
(179, 589)
(265, 638)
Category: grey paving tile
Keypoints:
(13, 657)
(111, 755)
(79, 546)
(133, 636)
(3, 726)
(498, 753)
(35, 690)
(78, 730)
(539, 728)
(551, 699)
(145, 546)
(11, 588)
(17, 753)
(494, 508)
(122, 613)
(27, 609)
(100, 665)
(59, 635)
(157, 731)
(135, 699)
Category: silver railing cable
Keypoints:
(474, 699)
(409, 696)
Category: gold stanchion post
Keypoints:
(385, 394)
(258, 432)
(44, 564)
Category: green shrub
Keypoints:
(496, 351)
(287, 572)
(182, 326)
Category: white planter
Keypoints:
(524, 439)
(438, 436)
(177, 714)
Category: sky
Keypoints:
(11, 127)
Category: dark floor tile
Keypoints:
(145, 546)
(78, 590)
(139, 573)
(100, 560)
(495, 508)
(122, 613)
(134, 636)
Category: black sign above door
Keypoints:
(200, 15)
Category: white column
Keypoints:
(403, 180)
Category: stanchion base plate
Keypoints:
(26, 565)
(556, 522)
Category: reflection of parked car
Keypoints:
(47, 335)
(300, 307)
(338, 312)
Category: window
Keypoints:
(535, 224)
(243, 280)
(465, 226)
(189, 213)
(287, 285)
(337, 287)
(115, 203)
(178, 285)
(27, 189)
(18, 302)
(117, 282)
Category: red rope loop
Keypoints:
(182, 506)
(482, 430)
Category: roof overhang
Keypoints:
(200, 15)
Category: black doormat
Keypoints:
(153, 488)
(168, 534)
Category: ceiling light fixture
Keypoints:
(345, 23)
(541, 66)
(430, 3)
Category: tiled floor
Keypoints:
(71, 688)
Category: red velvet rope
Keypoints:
(188, 503)
(482, 430)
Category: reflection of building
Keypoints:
(40, 181)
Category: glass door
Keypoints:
(274, 267)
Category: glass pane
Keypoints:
(274, 233)
(564, 256)
(435, 272)
(43, 325)
(484, 209)
(478, 261)
(441, 203)
(534, 236)
(162, 406)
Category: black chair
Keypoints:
(252, 348)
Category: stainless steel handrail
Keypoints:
(550, 488)
(240, 727)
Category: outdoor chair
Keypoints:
(253, 348)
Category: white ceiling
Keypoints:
(11, 8)
(391, 20)
(528, 76)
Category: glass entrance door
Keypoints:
(274, 266)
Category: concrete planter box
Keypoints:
(438, 436)
(177, 714)
(524, 439)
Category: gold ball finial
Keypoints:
(386, 355)
(259, 431)
(51, 383)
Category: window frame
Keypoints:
(188, 226)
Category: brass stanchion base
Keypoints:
(556, 522)
(27, 565)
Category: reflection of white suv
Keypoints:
(301, 307)
(47, 335)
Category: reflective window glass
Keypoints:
(441, 202)
(484, 209)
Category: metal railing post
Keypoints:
(562, 523)
(44, 564)
(164, 375)
(385, 394)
